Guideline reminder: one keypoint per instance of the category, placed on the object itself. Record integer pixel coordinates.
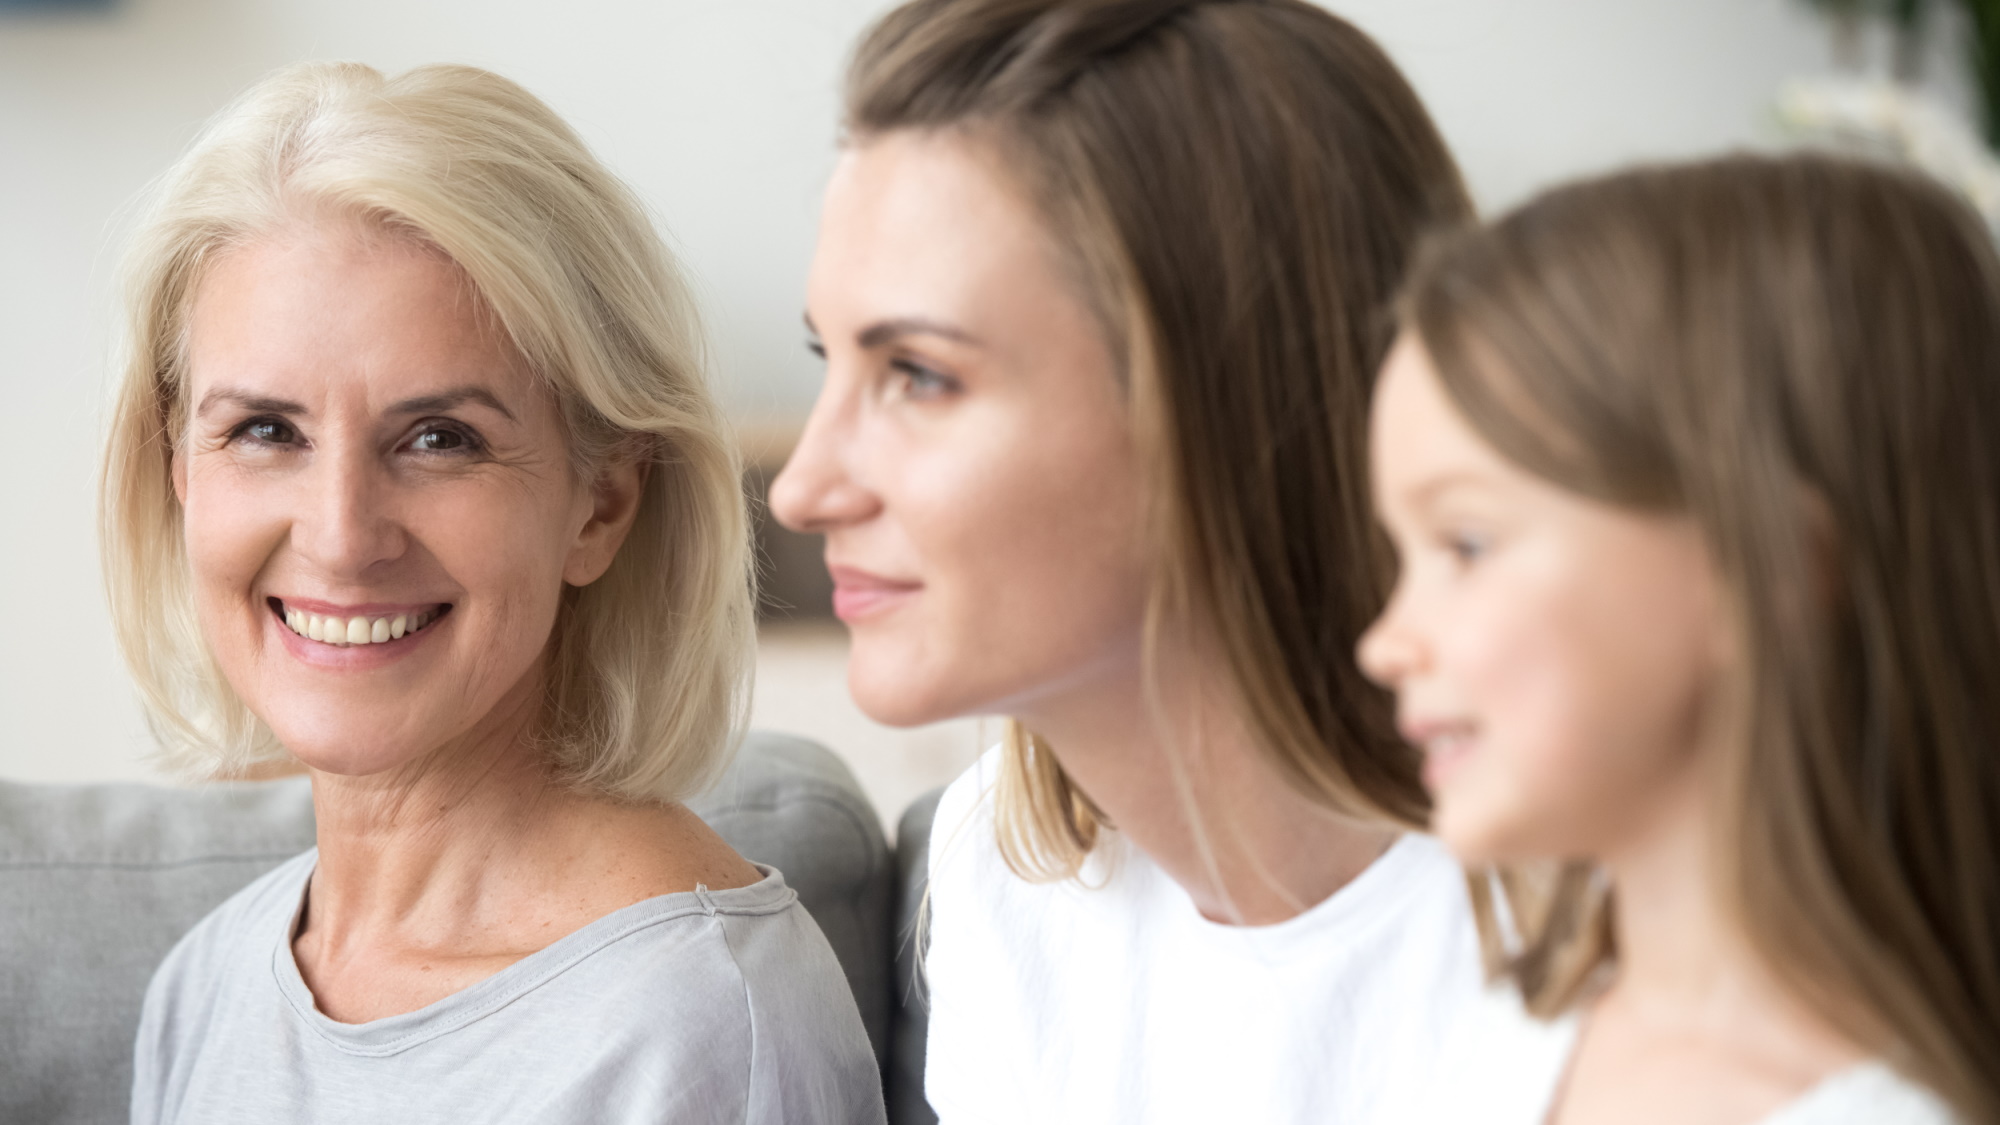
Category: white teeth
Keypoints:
(355, 630)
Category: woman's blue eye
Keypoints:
(440, 441)
(269, 431)
(922, 382)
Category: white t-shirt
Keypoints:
(1501, 1066)
(1117, 1001)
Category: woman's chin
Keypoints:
(356, 754)
(894, 698)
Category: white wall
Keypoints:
(722, 114)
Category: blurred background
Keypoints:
(722, 115)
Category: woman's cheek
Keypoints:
(230, 533)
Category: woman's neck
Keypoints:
(437, 875)
(430, 836)
(1184, 780)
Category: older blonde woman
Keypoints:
(414, 478)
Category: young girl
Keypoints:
(1695, 478)
(1101, 288)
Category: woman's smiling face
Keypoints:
(1557, 659)
(364, 454)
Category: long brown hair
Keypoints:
(1242, 183)
(1803, 354)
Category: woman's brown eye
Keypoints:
(272, 432)
(439, 441)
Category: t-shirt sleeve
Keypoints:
(178, 1010)
(811, 1061)
(149, 1066)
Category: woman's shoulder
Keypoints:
(725, 952)
(202, 977)
(750, 970)
(253, 917)
(1871, 1092)
(966, 808)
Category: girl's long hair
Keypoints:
(1803, 354)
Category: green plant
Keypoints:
(1984, 17)
(1908, 17)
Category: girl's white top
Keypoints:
(1501, 1066)
(1117, 1001)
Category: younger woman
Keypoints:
(1100, 288)
(1693, 474)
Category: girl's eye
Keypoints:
(1465, 548)
(816, 348)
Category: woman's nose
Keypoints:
(816, 492)
(345, 527)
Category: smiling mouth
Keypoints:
(366, 630)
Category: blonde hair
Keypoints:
(1798, 353)
(645, 685)
(1241, 184)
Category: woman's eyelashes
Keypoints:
(432, 437)
(264, 431)
(905, 378)
(446, 437)
(913, 380)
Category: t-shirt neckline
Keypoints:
(393, 1034)
(1373, 897)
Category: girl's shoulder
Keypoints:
(1871, 1093)
(1498, 1064)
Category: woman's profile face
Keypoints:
(378, 504)
(970, 458)
(1555, 658)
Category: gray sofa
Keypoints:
(98, 881)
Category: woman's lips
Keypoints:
(859, 594)
(419, 622)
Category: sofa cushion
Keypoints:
(98, 881)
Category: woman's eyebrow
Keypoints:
(883, 331)
(261, 404)
(445, 400)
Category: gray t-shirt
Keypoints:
(706, 1006)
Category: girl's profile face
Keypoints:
(969, 460)
(1555, 658)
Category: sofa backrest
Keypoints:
(98, 881)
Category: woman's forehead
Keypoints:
(318, 309)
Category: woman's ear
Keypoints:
(614, 497)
